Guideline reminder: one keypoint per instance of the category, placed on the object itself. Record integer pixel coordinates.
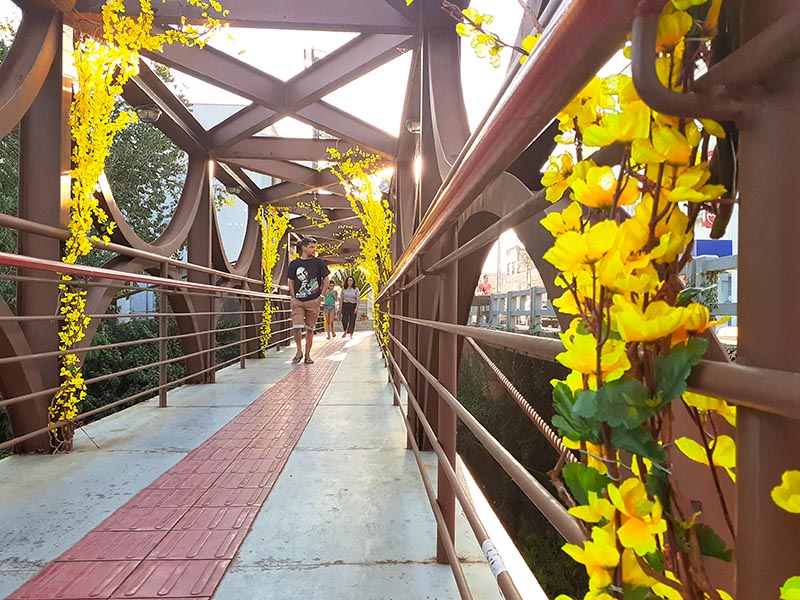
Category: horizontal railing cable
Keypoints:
(533, 415)
(503, 578)
(151, 391)
(549, 506)
(767, 390)
(62, 234)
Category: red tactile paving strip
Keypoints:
(176, 538)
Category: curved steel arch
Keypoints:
(24, 70)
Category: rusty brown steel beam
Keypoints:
(279, 148)
(358, 57)
(326, 201)
(27, 64)
(176, 120)
(768, 537)
(556, 70)
(287, 190)
(333, 15)
(240, 126)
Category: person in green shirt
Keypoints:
(329, 308)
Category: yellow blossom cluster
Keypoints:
(274, 222)
(355, 169)
(103, 67)
(620, 245)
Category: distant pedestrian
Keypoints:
(329, 308)
(484, 287)
(308, 276)
(350, 295)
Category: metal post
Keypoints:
(211, 376)
(509, 300)
(413, 347)
(44, 188)
(163, 307)
(448, 376)
(768, 538)
(242, 333)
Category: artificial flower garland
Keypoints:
(274, 223)
(355, 170)
(103, 67)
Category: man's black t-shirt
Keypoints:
(307, 276)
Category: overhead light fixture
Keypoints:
(234, 189)
(148, 113)
(413, 127)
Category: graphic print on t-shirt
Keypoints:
(308, 285)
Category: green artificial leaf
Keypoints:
(639, 442)
(672, 370)
(791, 589)
(655, 561)
(581, 480)
(638, 593)
(657, 485)
(687, 295)
(623, 403)
(567, 422)
(711, 544)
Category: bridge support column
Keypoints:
(44, 189)
(768, 538)
(448, 376)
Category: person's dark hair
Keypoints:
(303, 243)
(348, 280)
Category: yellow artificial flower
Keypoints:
(790, 590)
(556, 175)
(581, 355)
(787, 494)
(568, 219)
(657, 321)
(723, 452)
(710, 404)
(585, 108)
(599, 509)
(629, 122)
(668, 146)
(690, 186)
(672, 28)
(597, 187)
(641, 517)
(598, 556)
(573, 250)
(632, 572)
(528, 44)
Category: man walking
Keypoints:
(308, 277)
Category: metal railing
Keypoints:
(242, 324)
(513, 310)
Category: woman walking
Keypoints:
(350, 294)
(329, 306)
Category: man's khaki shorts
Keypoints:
(305, 314)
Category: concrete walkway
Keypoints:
(347, 517)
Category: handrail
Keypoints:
(552, 437)
(767, 390)
(553, 510)
(62, 234)
(26, 262)
(556, 70)
(504, 580)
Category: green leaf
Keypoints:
(567, 422)
(791, 589)
(638, 593)
(687, 295)
(655, 560)
(623, 403)
(639, 442)
(581, 480)
(672, 370)
(711, 544)
(656, 483)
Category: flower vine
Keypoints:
(103, 67)
(635, 334)
(356, 171)
(274, 222)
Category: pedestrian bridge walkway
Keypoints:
(278, 481)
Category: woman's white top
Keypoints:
(350, 295)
